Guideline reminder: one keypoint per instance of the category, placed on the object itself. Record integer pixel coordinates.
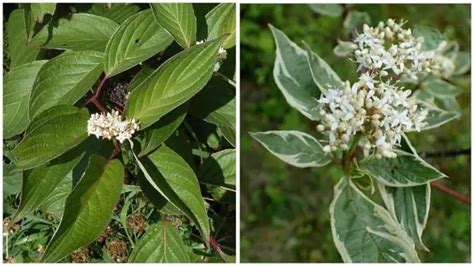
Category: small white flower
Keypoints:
(345, 112)
(403, 56)
(110, 126)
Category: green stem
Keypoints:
(347, 156)
(355, 142)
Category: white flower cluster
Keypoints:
(391, 48)
(110, 125)
(221, 56)
(377, 110)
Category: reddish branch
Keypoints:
(95, 98)
(214, 244)
(462, 198)
(115, 151)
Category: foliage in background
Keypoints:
(289, 204)
(165, 193)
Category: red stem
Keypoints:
(94, 98)
(101, 85)
(440, 187)
(115, 151)
(97, 104)
(214, 244)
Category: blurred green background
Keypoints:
(284, 210)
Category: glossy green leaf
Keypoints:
(41, 182)
(344, 49)
(229, 134)
(160, 244)
(331, 10)
(17, 86)
(12, 180)
(19, 52)
(323, 75)
(35, 13)
(77, 32)
(140, 77)
(172, 84)
(53, 206)
(406, 170)
(155, 197)
(51, 134)
(161, 130)
(88, 208)
(65, 79)
(178, 19)
(218, 173)
(170, 175)
(221, 22)
(117, 12)
(364, 232)
(134, 42)
(410, 207)
(216, 103)
(293, 147)
(293, 77)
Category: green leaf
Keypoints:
(221, 22)
(440, 88)
(77, 32)
(364, 232)
(117, 12)
(12, 180)
(229, 134)
(322, 73)
(134, 42)
(41, 182)
(293, 77)
(154, 196)
(406, 170)
(170, 175)
(17, 86)
(172, 84)
(65, 79)
(178, 19)
(436, 116)
(19, 52)
(160, 244)
(331, 10)
(216, 103)
(410, 207)
(54, 204)
(140, 77)
(463, 63)
(293, 147)
(51, 134)
(218, 173)
(355, 19)
(88, 208)
(36, 13)
(344, 49)
(432, 38)
(161, 130)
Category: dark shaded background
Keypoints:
(284, 210)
